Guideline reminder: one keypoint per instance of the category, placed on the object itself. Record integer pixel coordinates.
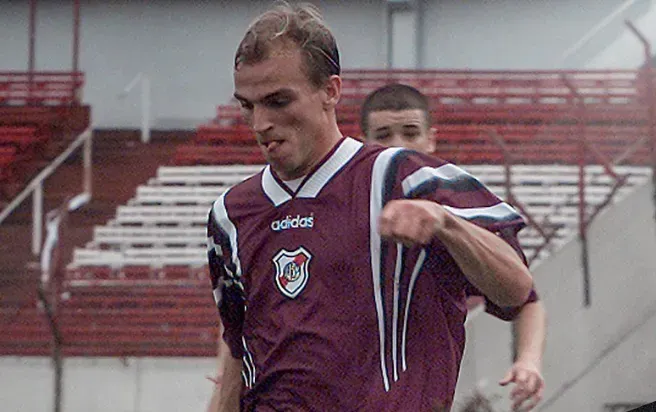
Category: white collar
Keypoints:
(317, 180)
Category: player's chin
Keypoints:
(274, 159)
(282, 165)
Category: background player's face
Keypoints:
(402, 128)
(288, 114)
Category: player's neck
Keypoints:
(324, 144)
(327, 142)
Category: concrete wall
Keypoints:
(598, 354)
(186, 47)
(108, 385)
(626, 51)
(507, 34)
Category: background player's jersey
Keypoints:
(325, 315)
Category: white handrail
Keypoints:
(596, 29)
(35, 187)
(144, 81)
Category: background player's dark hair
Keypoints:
(286, 25)
(394, 97)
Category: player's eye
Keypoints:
(246, 105)
(278, 102)
(381, 137)
(410, 135)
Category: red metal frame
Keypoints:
(33, 85)
(76, 46)
(547, 234)
(31, 55)
(499, 86)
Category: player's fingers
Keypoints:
(510, 376)
(519, 400)
(530, 403)
(528, 391)
(423, 226)
(531, 384)
(537, 395)
(518, 393)
(386, 222)
(411, 230)
(392, 220)
(403, 229)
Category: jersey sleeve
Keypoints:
(426, 177)
(224, 274)
(505, 313)
(421, 176)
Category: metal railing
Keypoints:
(144, 82)
(35, 187)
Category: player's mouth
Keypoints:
(272, 145)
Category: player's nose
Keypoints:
(396, 140)
(260, 120)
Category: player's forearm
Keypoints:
(530, 327)
(215, 400)
(487, 261)
(231, 385)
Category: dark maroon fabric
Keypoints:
(320, 350)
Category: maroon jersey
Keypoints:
(325, 314)
(502, 312)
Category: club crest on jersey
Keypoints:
(292, 271)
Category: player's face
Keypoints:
(403, 128)
(288, 114)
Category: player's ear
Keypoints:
(333, 91)
(432, 140)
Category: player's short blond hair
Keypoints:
(300, 25)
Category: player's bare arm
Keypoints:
(487, 261)
(525, 373)
(231, 385)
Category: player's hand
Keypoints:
(411, 222)
(529, 385)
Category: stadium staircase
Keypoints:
(139, 287)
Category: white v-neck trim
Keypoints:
(276, 194)
(322, 176)
(294, 184)
(313, 185)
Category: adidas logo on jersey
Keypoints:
(289, 222)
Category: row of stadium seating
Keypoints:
(459, 143)
(34, 109)
(17, 145)
(163, 226)
(539, 116)
(40, 88)
(121, 320)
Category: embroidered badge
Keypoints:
(292, 271)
